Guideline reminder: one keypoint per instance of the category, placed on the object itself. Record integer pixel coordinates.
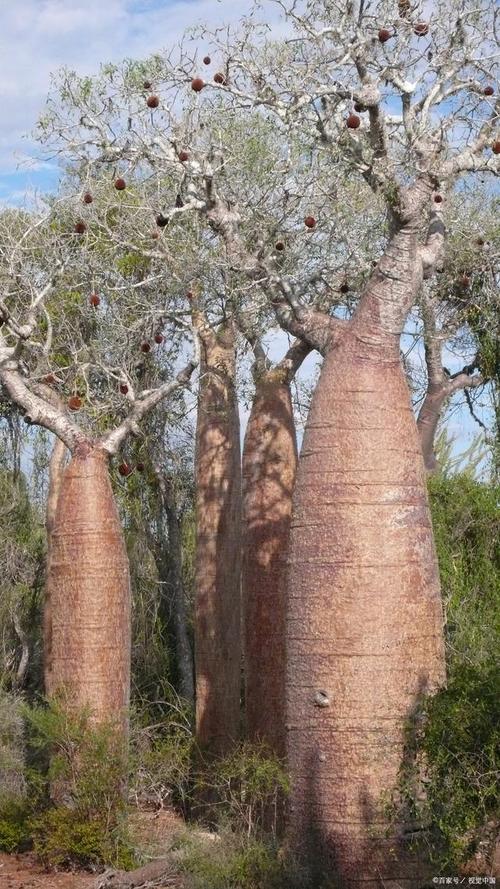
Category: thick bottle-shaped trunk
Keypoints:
(364, 618)
(269, 468)
(87, 644)
(218, 545)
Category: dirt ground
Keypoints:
(153, 831)
(22, 872)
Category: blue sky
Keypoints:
(39, 36)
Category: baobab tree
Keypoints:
(364, 631)
(92, 392)
(408, 104)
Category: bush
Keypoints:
(15, 833)
(65, 837)
(461, 745)
(73, 808)
(161, 758)
(449, 782)
(248, 787)
(233, 862)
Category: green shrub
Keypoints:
(65, 837)
(234, 862)
(466, 522)
(461, 745)
(450, 778)
(12, 766)
(161, 757)
(15, 831)
(73, 808)
(248, 787)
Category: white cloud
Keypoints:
(39, 36)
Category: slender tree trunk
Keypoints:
(427, 422)
(171, 571)
(88, 633)
(269, 467)
(364, 627)
(218, 545)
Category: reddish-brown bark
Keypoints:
(218, 544)
(364, 617)
(269, 467)
(87, 652)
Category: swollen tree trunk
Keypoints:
(364, 617)
(56, 474)
(269, 467)
(218, 544)
(87, 646)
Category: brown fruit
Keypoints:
(309, 222)
(74, 403)
(279, 245)
(124, 469)
(438, 198)
(384, 35)
(147, 85)
(207, 60)
(219, 77)
(145, 347)
(120, 184)
(353, 121)
(421, 29)
(123, 388)
(87, 198)
(159, 338)
(496, 147)
(190, 295)
(80, 228)
(197, 84)
(155, 235)
(94, 300)
(488, 91)
(161, 220)
(152, 101)
(183, 156)
(49, 379)
(344, 288)
(140, 467)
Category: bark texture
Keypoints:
(218, 545)
(364, 616)
(88, 594)
(364, 613)
(269, 468)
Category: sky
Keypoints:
(39, 36)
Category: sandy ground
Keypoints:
(22, 872)
(153, 830)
